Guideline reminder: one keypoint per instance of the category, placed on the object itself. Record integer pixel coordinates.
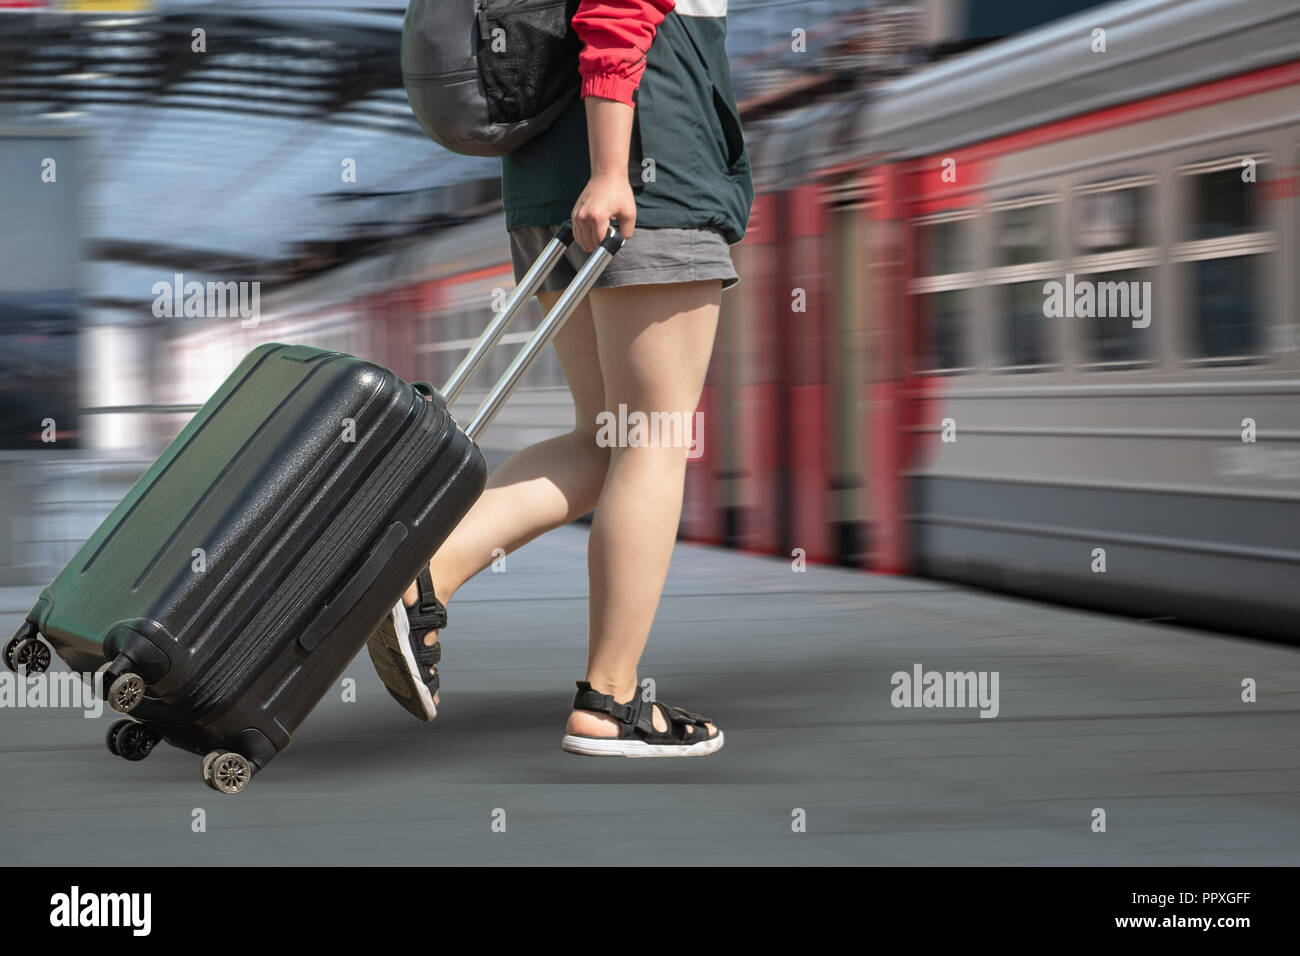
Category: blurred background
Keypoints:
(886, 393)
(888, 401)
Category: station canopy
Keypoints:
(217, 136)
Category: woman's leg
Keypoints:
(540, 487)
(654, 343)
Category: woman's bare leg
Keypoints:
(541, 487)
(654, 343)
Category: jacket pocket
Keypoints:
(733, 138)
(527, 56)
(638, 171)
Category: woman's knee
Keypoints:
(588, 441)
(588, 432)
(595, 458)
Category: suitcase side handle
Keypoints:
(332, 614)
(502, 321)
(546, 331)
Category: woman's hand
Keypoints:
(609, 193)
(605, 198)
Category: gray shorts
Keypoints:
(650, 257)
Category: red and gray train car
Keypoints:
(899, 385)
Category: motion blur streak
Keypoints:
(1019, 309)
(908, 227)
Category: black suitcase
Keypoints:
(231, 587)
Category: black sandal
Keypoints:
(401, 657)
(686, 736)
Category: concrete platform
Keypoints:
(1140, 719)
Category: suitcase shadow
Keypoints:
(473, 732)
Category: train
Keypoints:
(1025, 318)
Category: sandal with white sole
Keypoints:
(686, 736)
(402, 659)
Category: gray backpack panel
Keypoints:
(486, 76)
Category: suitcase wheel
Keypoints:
(26, 654)
(207, 762)
(125, 693)
(131, 740)
(227, 772)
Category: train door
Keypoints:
(887, 253)
(704, 507)
(848, 296)
(758, 395)
(804, 305)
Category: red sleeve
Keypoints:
(616, 36)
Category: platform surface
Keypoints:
(1142, 720)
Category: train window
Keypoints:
(1025, 257)
(1227, 318)
(1108, 220)
(1224, 263)
(943, 247)
(943, 324)
(1116, 331)
(1023, 341)
(943, 292)
(1222, 203)
(1109, 282)
(1023, 234)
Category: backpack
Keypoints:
(486, 76)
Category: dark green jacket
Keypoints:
(685, 121)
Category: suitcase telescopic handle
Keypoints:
(501, 322)
(546, 331)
